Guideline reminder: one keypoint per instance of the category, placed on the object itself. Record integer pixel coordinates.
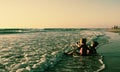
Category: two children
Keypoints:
(84, 50)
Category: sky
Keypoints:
(59, 13)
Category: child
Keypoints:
(83, 48)
(92, 49)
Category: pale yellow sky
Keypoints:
(59, 13)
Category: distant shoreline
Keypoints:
(114, 30)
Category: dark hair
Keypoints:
(84, 40)
(96, 43)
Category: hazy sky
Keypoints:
(59, 13)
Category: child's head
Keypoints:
(94, 43)
(83, 41)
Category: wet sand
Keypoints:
(114, 30)
(111, 53)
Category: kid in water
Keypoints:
(83, 49)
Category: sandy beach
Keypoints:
(111, 53)
(113, 30)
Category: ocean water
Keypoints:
(42, 50)
(111, 53)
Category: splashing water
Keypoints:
(40, 51)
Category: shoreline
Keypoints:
(113, 30)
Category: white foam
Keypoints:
(32, 51)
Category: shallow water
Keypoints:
(41, 50)
(111, 53)
(78, 64)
